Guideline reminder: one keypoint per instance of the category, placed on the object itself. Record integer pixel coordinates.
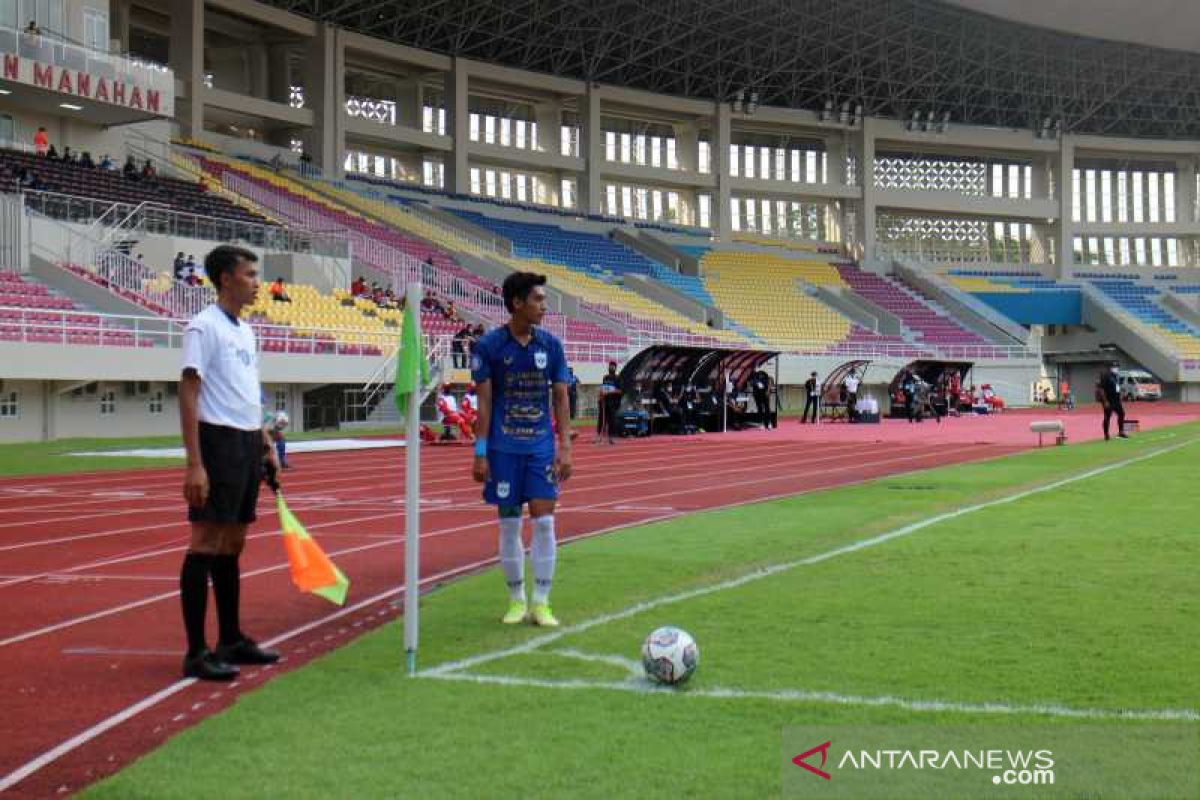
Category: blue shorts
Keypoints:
(517, 478)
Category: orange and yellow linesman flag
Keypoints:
(312, 571)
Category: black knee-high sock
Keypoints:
(226, 578)
(193, 596)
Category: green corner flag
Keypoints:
(412, 368)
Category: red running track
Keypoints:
(90, 636)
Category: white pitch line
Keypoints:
(634, 668)
(774, 569)
(833, 698)
(107, 724)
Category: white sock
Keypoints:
(543, 557)
(512, 556)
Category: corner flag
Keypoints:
(412, 368)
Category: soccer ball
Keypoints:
(670, 655)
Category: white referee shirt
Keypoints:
(224, 353)
(851, 384)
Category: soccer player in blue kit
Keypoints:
(520, 372)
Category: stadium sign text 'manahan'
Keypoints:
(77, 83)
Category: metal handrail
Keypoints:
(401, 267)
(66, 325)
(160, 219)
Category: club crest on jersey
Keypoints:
(502, 489)
(539, 359)
(508, 361)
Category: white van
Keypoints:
(1137, 384)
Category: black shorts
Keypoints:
(233, 459)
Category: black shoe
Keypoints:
(207, 667)
(245, 651)
(1123, 436)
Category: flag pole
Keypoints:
(412, 500)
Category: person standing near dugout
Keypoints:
(812, 398)
(1108, 392)
(220, 414)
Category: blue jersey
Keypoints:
(521, 376)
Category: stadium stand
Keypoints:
(74, 180)
(30, 312)
(382, 248)
(1025, 297)
(931, 326)
(1140, 301)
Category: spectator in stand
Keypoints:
(28, 179)
(179, 266)
(458, 346)
(41, 142)
(430, 303)
(191, 271)
(130, 169)
(148, 171)
(85, 160)
(32, 28)
(451, 313)
(278, 292)
(358, 287)
(68, 157)
(107, 164)
(428, 270)
(52, 154)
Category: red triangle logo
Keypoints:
(823, 749)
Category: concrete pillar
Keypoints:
(258, 63)
(408, 103)
(1063, 170)
(1040, 188)
(836, 148)
(118, 25)
(864, 147)
(187, 62)
(591, 198)
(549, 124)
(279, 75)
(721, 220)
(458, 121)
(687, 146)
(325, 94)
(1185, 190)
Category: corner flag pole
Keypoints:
(412, 505)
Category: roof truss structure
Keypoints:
(894, 57)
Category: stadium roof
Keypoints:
(895, 57)
(1158, 23)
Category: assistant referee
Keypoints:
(220, 413)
